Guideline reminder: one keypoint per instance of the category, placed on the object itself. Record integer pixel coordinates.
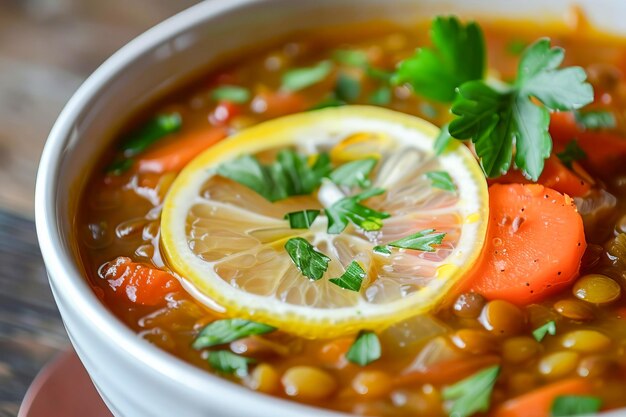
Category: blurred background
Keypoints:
(47, 48)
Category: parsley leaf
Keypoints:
(571, 153)
(229, 363)
(351, 57)
(301, 78)
(347, 88)
(155, 129)
(348, 210)
(595, 120)
(354, 173)
(380, 96)
(417, 241)
(498, 118)
(442, 180)
(540, 332)
(365, 349)
(289, 175)
(575, 405)
(224, 331)
(301, 219)
(472, 394)
(457, 56)
(352, 278)
(310, 262)
(232, 93)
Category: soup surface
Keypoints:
(524, 340)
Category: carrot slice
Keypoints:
(447, 372)
(605, 150)
(538, 403)
(535, 242)
(139, 283)
(555, 175)
(174, 155)
(279, 103)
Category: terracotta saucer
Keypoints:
(63, 389)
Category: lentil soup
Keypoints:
(532, 322)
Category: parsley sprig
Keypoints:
(224, 331)
(423, 240)
(352, 278)
(500, 118)
(349, 209)
(472, 394)
(365, 349)
(311, 263)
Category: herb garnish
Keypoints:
(288, 176)
(365, 349)
(351, 57)
(442, 180)
(300, 78)
(380, 96)
(229, 363)
(498, 118)
(354, 173)
(347, 88)
(595, 119)
(572, 153)
(548, 328)
(348, 210)
(575, 405)
(228, 330)
(310, 262)
(457, 56)
(232, 93)
(301, 219)
(472, 394)
(417, 241)
(352, 278)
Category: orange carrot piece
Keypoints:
(279, 103)
(605, 150)
(175, 154)
(448, 372)
(535, 242)
(538, 403)
(555, 175)
(139, 283)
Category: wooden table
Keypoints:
(47, 48)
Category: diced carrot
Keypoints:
(448, 372)
(175, 154)
(538, 403)
(279, 103)
(332, 352)
(535, 242)
(555, 175)
(139, 283)
(605, 150)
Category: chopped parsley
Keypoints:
(595, 119)
(351, 57)
(365, 349)
(540, 332)
(301, 78)
(575, 405)
(380, 97)
(352, 278)
(349, 209)
(224, 331)
(457, 56)
(302, 219)
(499, 118)
(472, 394)
(347, 88)
(423, 241)
(288, 176)
(355, 173)
(232, 93)
(310, 262)
(227, 362)
(442, 180)
(572, 153)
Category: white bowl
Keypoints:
(135, 378)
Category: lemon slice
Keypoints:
(226, 242)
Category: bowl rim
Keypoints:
(61, 265)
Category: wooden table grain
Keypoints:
(47, 48)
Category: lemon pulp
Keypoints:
(226, 242)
